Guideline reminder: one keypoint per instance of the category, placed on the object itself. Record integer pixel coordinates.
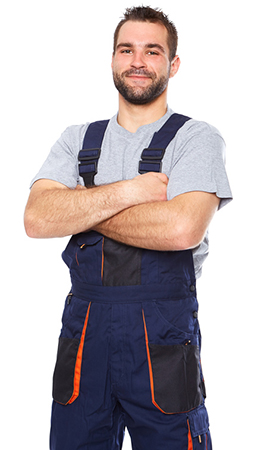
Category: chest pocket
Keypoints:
(122, 264)
(84, 257)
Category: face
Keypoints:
(141, 66)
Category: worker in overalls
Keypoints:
(137, 194)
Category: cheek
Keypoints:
(118, 66)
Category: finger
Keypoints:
(162, 177)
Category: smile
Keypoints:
(138, 77)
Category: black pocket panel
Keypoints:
(63, 378)
(176, 377)
(122, 264)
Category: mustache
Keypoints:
(144, 72)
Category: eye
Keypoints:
(126, 51)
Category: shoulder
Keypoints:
(73, 136)
(199, 137)
(197, 127)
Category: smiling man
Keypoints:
(147, 57)
(138, 206)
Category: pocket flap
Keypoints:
(199, 423)
(90, 238)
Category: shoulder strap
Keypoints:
(89, 155)
(151, 157)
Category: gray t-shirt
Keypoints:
(194, 161)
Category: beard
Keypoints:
(138, 95)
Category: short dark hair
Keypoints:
(147, 14)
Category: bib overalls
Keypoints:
(129, 349)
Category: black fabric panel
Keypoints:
(63, 378)
(122, 264)
(176, 377)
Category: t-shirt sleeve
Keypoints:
(199, 162)
(61, 164)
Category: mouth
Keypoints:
(137, 75)
(138, 78)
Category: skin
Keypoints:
(135, 212)
(138, 55)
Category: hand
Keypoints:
(150, 187)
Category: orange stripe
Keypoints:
(76, 257)
(190, 443)
(150, 367)
(78, 365)
(102, 264)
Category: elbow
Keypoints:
(189, 242)
(31, 225)
(186, 237)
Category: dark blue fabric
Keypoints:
(162, 138)
(94, 134)
(151, 157)
(125, 326)
(89, 155)
(91, 167)
(115, 387)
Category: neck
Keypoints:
(131, 117)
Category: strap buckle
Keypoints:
(151, 160)
(88, 164)
(89, 154)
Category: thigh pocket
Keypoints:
(67, 372)
(175, 380)
(198, 424)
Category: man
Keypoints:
(129, 349)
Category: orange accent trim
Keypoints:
(150, 367)
(190, 443)
(76, 257)
(102, 263)
(78, 364)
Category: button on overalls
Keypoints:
(129, 349)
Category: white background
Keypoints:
(55, 72)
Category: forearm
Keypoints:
(61, 212)
(53, 210)
(178, 224)
(146, 226)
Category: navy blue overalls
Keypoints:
(129, 349)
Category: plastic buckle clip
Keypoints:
(152, 154)
(89, 154)
(151, 160)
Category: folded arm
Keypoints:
(54, 210)
(178, 224)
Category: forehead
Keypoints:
(143, 33)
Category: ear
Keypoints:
(174, 66)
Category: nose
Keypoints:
(138, 61)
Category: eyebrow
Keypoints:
(129, 45)
(162, 49)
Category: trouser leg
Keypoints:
(93, 419)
